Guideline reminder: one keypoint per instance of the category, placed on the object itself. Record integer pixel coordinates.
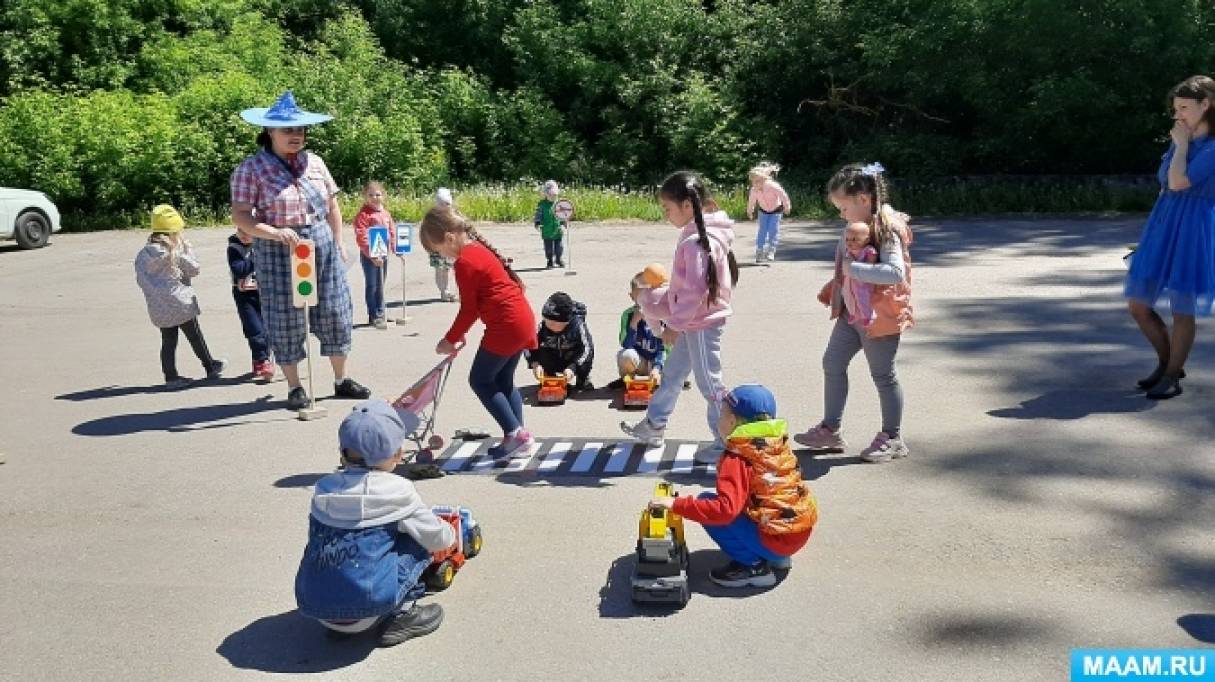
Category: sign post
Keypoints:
(377, 247)
(564, 210)
(404, 246)
(303, 295)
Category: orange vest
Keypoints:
(891, 302)
(779, 501)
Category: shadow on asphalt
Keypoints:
(181, 419)
(113, 391)
(1077, 403)
(616, 595)
(292, 643)
(985, 631)
(1200, 626)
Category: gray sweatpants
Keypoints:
(846, 339)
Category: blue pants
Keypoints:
(492, 378)
(769, 231)
(249, 308)
(553, 250)
(740, 539)
(373, 287)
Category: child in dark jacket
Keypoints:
(762, 512)
(249, 303)
(564, 343)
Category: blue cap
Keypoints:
(375, 430)
(752, 402)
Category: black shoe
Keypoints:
(548, 266)
(216, 369)
(735, 574)
(349, 388)
(297, 398)
(416, 622)
(1167, 387)
(584, 386)
(561, 264)
(616, 385)
(687, 385)
(1154, 378)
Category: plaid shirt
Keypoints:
(262, 182)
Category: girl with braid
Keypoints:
(859, 192)
(694, 305)
(492, 291)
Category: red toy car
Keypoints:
(445, 564)
(553, 390)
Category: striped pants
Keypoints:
(697, 353)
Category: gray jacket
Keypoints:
(166, 284)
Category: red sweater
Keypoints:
(487, 292)
(733, 484)
(367, 218)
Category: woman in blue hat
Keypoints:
(295, 198)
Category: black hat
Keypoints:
(559, 307)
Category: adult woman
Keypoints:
(1175, 259)
(295, 198)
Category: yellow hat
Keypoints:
(165, 218)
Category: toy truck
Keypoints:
(446, 563)
(661, 573)
(553, 390)
(639, 389)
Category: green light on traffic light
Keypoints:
(305, 288)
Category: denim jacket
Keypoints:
(369, 540)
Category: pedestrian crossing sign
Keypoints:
(377, 241)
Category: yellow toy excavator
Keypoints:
(661, 573)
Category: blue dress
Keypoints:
(1175, 261)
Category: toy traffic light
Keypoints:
(303, 274)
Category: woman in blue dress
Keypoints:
(1175, 260)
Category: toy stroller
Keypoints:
(422, 399)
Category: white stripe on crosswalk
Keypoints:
(460, 457)
(619, 459)
(684, 460)
(650, 460)
(576, 458)
(555, 456)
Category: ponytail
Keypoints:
(870, 179)
(510, 272)
(703, 239)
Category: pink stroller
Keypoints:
(422, 399)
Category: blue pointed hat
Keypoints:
(285, 113)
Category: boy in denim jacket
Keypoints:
(370, 536)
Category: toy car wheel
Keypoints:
(424, 457)
(32, 230)
(685, 594)
(474, 543)
(443, 576)
(436, 442)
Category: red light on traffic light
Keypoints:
(302, 251)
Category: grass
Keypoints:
(938, 197)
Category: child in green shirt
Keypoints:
(549, 226)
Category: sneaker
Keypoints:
(821, 438)
(560, 263)
(176, 383)
(645, 432)
(784, 563)
(217, 369)
(583, 387)
(380, 323)
(1166, 388)
(349, 388)
(297, 398)
(264, 370)
(770, 255)
(759, 256)
(548, 266)
(735, 574)
(884, 448)
(416, 622)
(518, 445)
(709, 454)
(450, 298)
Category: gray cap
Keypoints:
(375, 430)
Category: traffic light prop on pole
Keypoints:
(303, 295)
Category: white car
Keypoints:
(27, 216)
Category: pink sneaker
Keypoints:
(884, 448)
(821, 438)
(513, 447)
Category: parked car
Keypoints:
(27, 216)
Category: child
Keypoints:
(773, 202)
(641, 350)
(375, 268)
(563, 344)
(163, 269)
(441, 265)
(859, 192)
(762, 512)
(550, 228)
(857, 249)
(492, 291)
(249, 302)
(694, 306)
(370, 537)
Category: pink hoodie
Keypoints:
(683, 303)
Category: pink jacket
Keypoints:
(769, 197)
(683, 303)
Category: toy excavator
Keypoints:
(661, 574)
